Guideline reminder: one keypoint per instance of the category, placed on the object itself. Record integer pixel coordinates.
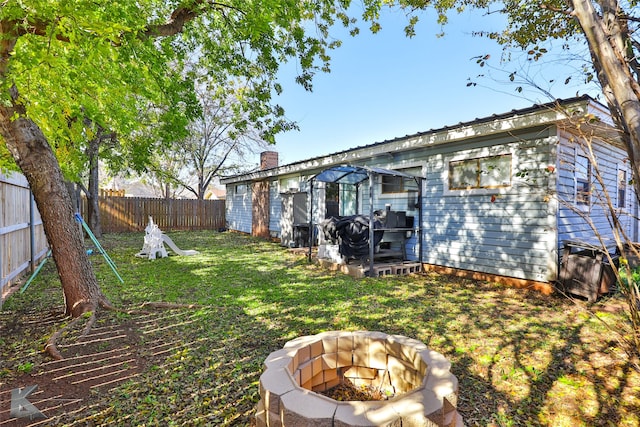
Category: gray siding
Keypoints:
(275, 208)
(515, 231)
(239, 213)
(575, 222)
(513, 235)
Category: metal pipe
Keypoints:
(310, 218)
(371, 231)
(420, 181)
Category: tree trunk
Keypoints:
(622, 92)
(74, 193)
(607, 37)
(34, 156)
(93, 208)
(202, 191)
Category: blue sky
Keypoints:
(385, 85)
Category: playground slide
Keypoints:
(166, 239)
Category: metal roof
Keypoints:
(307, 164)
(347, 174)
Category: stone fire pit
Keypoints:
(420, 389)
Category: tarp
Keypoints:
(354, 235)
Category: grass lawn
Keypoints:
(521, 358)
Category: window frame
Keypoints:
(477, 157)
(397, 186)
(290, 184)
(621, 202)
(587, 182)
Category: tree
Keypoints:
(92, 189)
(162, 173)
(218, 140)
(608, 29)
(64, 62)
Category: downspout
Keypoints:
(371, 231)
(310, 218)
(420, 181)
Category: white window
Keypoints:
(622, 187)
(290, 184)
(582, 175)
(241, 189)
(480, 173)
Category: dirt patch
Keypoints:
(115, 350)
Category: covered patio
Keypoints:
(380, 225)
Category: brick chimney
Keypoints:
(268, 160)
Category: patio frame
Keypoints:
(355, 175)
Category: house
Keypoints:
(498, 196)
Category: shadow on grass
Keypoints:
(521, 358)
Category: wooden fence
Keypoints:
(123, 214)
(22, 239)
(23, 242)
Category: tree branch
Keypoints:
(84, 189)
(555, 9)
(633, 62)
(182, 15)
(36, 27)
(179, 18)
(630, 18)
